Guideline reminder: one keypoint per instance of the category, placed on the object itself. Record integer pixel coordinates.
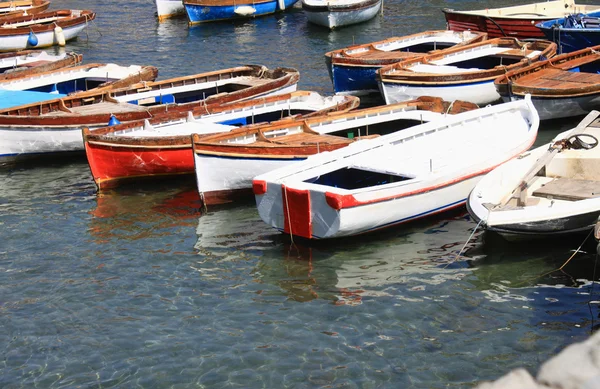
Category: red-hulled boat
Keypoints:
(517, 21)
(162, 146)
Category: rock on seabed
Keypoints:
(576, 367)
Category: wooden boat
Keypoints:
(162, 146)
(551, 190)
(166, 9)
(53, 28)
(22, 7)
(516, 21)
(573, 32)
(335, 14)
(202, 11)
(564, 86)
(20, 64)
(464, 73)
(226, 163)
(353, 70)
(82, 78)
(55, 126)
(396, 178)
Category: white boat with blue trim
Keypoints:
(396, 178)
(464, 73)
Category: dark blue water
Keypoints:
(135, 288)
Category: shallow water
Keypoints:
(135, 288)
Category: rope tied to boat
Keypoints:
(575, 142)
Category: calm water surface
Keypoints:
(135, 288)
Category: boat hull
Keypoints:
(480, 93)
(222, 179)
(332, 17)
(495, 27)
(198, 12)
(561, 107)
(545, 228)
(571, 39)
(111, 165)
(166, 9)
(363, 219)
(355, 80)
(45, 39)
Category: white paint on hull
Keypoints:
(334, 19)
(169, 8)
(480, 94)
(45, 39)
(549, 108)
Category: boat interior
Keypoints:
(580, 73)
(571, 175)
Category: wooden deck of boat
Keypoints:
(302, 139)
(100, 108)
(558, 79)
(569, 189)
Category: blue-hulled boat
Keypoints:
(573, 32)
(353, 69)
(202, 11)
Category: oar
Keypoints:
(521, 190)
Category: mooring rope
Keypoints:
(465, 245)
(287, 207)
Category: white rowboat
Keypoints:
(407, 175)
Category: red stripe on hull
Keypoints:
(111, 166)
(296, 212)
(516, 28)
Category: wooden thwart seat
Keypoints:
(569, 189)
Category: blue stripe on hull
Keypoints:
(354, 78)
(199, 14)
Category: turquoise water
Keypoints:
(137, 288)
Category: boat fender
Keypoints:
(54, 90)
(281, 4)
(245, 10)
(113, 121)
(59, 36)
(32, 39)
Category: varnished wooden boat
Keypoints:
(226, 163)
(55, 126)
(516, 21)
(162, 146)
(53, 28)
(336, 14)
(25, 63)
(22, 7)
(396, 178)
(564, 86)
(550, 191)
(353, 69)
(465, 73)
